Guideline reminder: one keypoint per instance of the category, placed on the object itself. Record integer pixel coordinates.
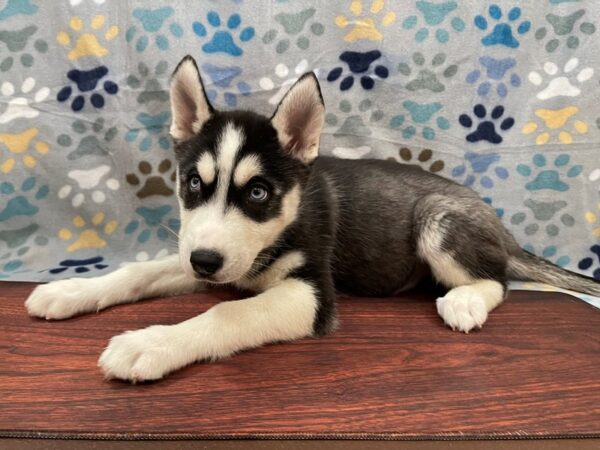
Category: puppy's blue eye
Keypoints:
(258, 193)
(195, 183)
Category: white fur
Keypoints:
(276, 272)
(284, 312)
(247, 168)
(206, 168)
(66, 298)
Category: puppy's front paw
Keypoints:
(62, 299)
(143, 355)
(463, 308)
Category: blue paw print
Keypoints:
(222, 40)
(79, 265)
(434, 15)
(20, 205)
(549, 178)
(486, 129)
(359, 63)
(421, 114)
(152, 21)
(478, 166)
(154, 126)
(153, 218)
(16, 7)
(495, 70)
(222, 78)
(86, 82)
(588, 262)
(18, 242)
(549, 253)
(499, 211)
(502, 33)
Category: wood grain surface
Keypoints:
(391, 371)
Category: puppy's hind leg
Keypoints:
(462, 242)
(66, 298)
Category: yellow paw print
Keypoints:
(88, 237)
(19, 144)
(594, 219)
(365, 27)
(86, 44)
(555, 119)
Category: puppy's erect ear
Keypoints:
(299, 119)
(190, 107)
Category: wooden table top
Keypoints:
(392, 371)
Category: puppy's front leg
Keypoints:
(284, 312)
(66, 298)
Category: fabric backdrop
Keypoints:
(502, 96)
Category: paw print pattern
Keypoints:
(550, 253)
(222, 78)
(427, 76)
(565, 84)
(592, 263)
(359, 64)
(92, 142)
(79, 266)
(25, 147)
(150, 183)
(421, 116)
(17, 44)
(223, 41)
(363, 25)
(17, 7)
(486, 129)
(19, 242)
(540, 213)
(502, 33)
(283, 80)
(86, 82)
(482, 167)
(594, 220)
(153, 221)
(549, 178)
(87, 44)
(144, 256)
(93, 182)
(156, 26)
(354, 122)
(293, 25)
(86, 235)
(434, 15)
(423, 159)
(23, 104)
(490, 201)
(564, 27)
(154, 127)
(495, 72)
(22, 201)
(148, 82)
(555, 120)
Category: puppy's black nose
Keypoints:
(206, 262)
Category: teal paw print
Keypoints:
(148, 82)
(434, 15)
(543, 215)
(294, 25)
(502, 33)
(550, 253)
(223, 41)
(18, 46)
(153, 22)
(427, 76)
(565, 27)
(354, 123)
(18, 242)
(22, 200)
(16, 7)
(421, 116)
(549, 178)
(154, 127)
(91, 142)
(153, 221)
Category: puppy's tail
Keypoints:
(527, 267)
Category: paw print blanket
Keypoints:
(502, 96)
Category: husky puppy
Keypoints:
(260, 211)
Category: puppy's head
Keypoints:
(240, 175)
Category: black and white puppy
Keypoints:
(260, 211)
